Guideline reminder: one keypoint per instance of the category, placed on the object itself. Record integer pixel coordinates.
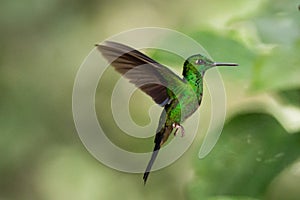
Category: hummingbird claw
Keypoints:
(177, 127)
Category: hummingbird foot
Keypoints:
(177, 127)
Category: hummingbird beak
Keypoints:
(225, 64)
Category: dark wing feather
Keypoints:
(147, 74)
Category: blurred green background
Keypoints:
(43, 44)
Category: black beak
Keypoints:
(226, 64)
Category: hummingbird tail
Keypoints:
(149, 166)
(158, 142)
(160, 138)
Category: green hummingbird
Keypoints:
(180, 97)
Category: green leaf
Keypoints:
(251, 151)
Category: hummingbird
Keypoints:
(180, 97)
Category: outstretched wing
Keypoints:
(151, 77)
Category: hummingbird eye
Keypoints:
(199, 62)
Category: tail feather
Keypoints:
(160, 138)
(149, 166)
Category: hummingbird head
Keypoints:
(200, 64)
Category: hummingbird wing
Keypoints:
(151, 77)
